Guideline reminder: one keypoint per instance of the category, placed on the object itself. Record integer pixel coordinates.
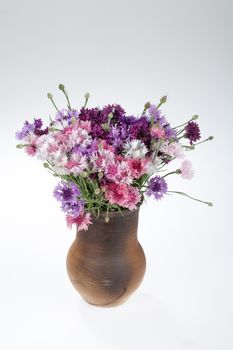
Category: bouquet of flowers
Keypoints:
(107, 160)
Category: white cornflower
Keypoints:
(135, 149)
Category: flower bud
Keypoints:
(87, 95)
(49, 95)
(147, 105)
(210, 204)
(46, 165)
(97, 191)
(210, 138)
(61, 87)
(163, 99)
(195, 117)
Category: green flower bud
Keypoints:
(210, 138)
(46, 165)
(147, 105)
(87, 95)
(209, 204)
(163, 99)
(49, 95)
(195, 117)
(61, 87)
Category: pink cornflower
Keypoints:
(157, 132)
(119, 172)
(111, 171)
(137, 167)
(83, 124)
(124, 174)
(82, 221)
(123, 195)
(173, 149)
(186, 170)
(31, 150)
(133, 198)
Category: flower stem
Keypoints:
(210, 204)
(173, 172)
(210, 138)
(62, 88)
(50, 97)
(195, 117)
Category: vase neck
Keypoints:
(120, 229)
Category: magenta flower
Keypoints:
(192, 132)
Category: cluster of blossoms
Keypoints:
(108, 160)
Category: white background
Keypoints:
(127, 52)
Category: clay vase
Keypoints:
(106, 263)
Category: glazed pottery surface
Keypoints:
(106, 263)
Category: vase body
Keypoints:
(106, 263)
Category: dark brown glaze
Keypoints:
(106, 264)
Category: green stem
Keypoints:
(210, 138)
(195, 117)
(50, 97)
(68, 101)
(172, 172)
(195, 199)
(62, 88)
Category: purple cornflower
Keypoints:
(29, 128)
(169, 132)
(66, 115)
(115, 109)
(67, 194)
(157, 187)
(140, 129)
(26, 129)
(192, 132)
(157, 114)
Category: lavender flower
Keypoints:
(66, 115)
(67, 194)
(157, 115)
(31, 128)
(26, 129)
(192, 132)
(157, 187)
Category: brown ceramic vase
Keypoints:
(106, 263)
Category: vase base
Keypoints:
(114, 303)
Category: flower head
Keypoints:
(135, 149)
(157, 187)
(82, 221)
(122, 195)
(173, 149)
(192, 132)
(186, 170)
(67, 194)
